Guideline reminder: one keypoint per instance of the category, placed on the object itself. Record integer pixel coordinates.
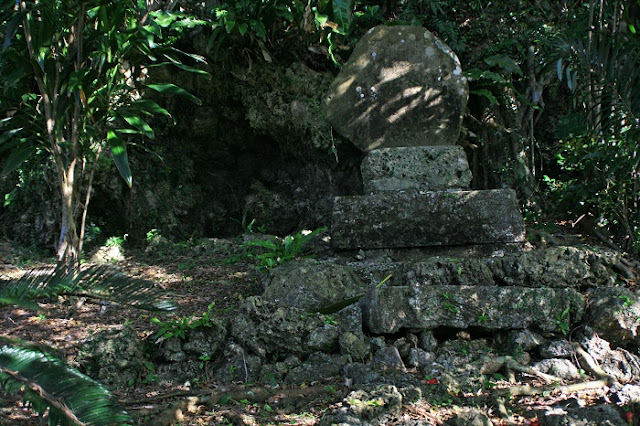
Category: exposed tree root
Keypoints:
(507, 362)
(167, 413)
(586, 361)
(590, 364)
(528, 390)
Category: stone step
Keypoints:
(426, 168)
(550, 310)
(426, 218)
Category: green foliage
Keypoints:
(273, 252)
(599, 150)
(153, 235)
(72, 76)
(180, 326)
(114, 47)
(50, 386)
(116, 241)
(260, 23)
(497, 71)
(450, 304)
(562, 322)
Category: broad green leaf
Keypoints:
(259, 29)
(16, 159)
(493, 76)
(149, 106)
(139, 124)
(189, 23)
(485, 93)
(61, 389)
(163, 18)
(229, 24)
(195, 57)
(172, 89)
(119, 151)
(559, 69)
(129, 132)
(504, 62)
(182, 66)
(5, 136)
(192, 69)
(320, 20)
(342, 10)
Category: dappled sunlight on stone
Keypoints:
(376, 100)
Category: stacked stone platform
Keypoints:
(401, 98)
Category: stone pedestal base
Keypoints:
(421, 219)
(424, 168)
(389, 309)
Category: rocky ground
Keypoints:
(249, 360)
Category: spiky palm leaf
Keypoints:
(70, 396)
(96, 282)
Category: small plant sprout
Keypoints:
(450, 303)
(153, 235)
(330, 320)
(274, 251)
(562, 323)
(204, 359)
(451, 308)
(116, 241)
(626, 301)
(179, 326)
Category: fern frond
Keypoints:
(96, 282)
(71, 397)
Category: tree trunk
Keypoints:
(69, 242)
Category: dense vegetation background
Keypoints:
(212, 113)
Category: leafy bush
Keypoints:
(274, 251)
(314, 21)
(180, 326)
(599, 177)
(599, 148)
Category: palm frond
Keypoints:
(96, 282)
(71, 397)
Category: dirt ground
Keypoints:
(194, 280)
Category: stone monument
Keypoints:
(401, 98)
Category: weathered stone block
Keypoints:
(426, 168)
(389, 309)
(310, 285)
(402, 86)
(614, 312)
(418, 219)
